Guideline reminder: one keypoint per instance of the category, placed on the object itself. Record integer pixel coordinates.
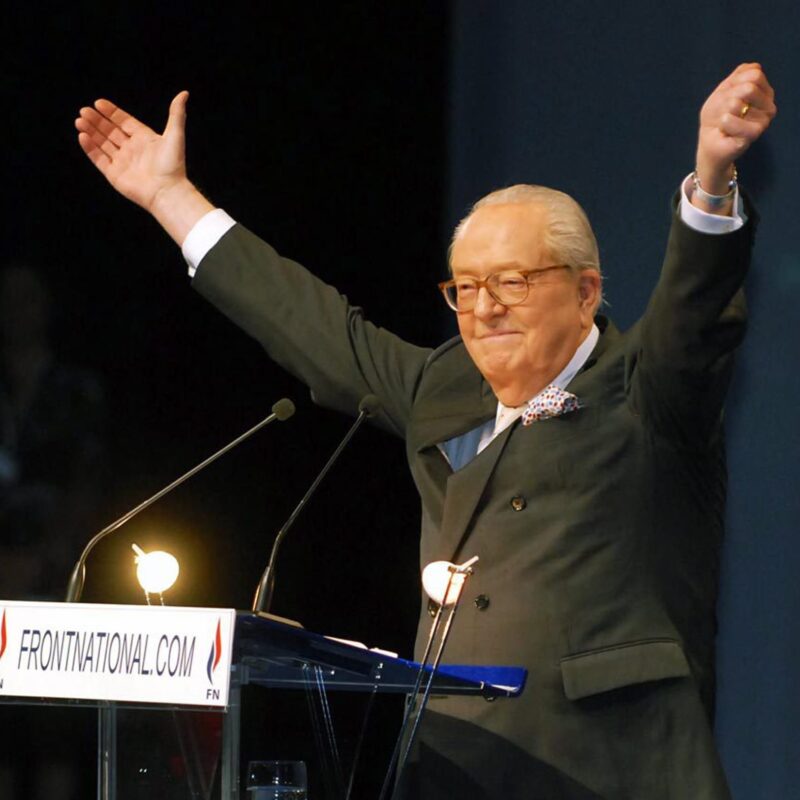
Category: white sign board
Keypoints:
(143, 654)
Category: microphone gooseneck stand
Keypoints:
(316, 692)
(413, 714)
(281, 411)
(262, 601)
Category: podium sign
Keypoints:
(138, 654)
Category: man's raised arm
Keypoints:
(142, 165)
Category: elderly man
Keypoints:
(584, 466)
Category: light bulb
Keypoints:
(155, 571)
(435, 578)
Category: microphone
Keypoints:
(368, 407)
(281, 411)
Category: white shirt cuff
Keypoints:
(710, 223)
(205, 233)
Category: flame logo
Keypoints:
(213, 657)
(3, 637)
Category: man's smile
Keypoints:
(496, 335)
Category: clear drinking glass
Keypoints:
(277, 780)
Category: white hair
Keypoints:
(569, 238)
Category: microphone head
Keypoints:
(283, 409)
(438, 578)
(369, 405)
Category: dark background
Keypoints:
(352, 136)
(323, 132)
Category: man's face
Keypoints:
(521, 349)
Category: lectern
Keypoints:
(181, 660)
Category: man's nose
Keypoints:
(486, 306)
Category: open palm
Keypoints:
(138, 162)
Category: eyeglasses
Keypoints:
(509, 288)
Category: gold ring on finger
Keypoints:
(745, 109)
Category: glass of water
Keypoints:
(277, 780)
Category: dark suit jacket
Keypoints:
(598, 532)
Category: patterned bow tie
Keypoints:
(550, 402)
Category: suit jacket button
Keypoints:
(518, 502)
(433, 608)
(482, 602)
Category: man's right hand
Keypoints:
(145, 167)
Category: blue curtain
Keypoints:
(601, 100)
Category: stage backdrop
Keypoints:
(601, 100)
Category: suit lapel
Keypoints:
(464, 490)
(467, 404)
(459, 401)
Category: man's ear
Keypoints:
(590, 287)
